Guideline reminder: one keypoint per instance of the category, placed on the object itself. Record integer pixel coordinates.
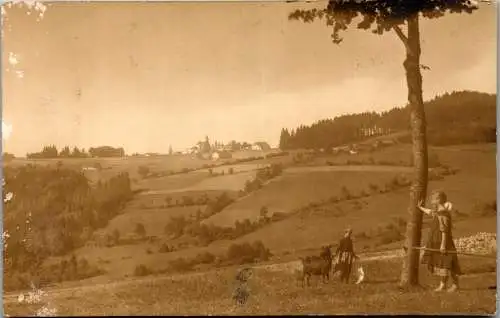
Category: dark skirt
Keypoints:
(344, 262)
(441, 264)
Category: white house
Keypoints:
(261, 146)
(221, 155)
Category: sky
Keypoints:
(144, 76)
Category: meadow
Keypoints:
(317, 202)
(272, 293)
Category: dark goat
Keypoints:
(317, 265)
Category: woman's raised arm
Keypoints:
(421, 208)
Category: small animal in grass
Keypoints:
(241, 293)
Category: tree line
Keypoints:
(452, 118)
(51, 151)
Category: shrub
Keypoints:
(278, 216)
(143, 171)
(263, 211)
(176, 226)
(142, 270)
(333, 199)
(393, 231)
(345, 194)
(204, 258)
(168, 200)
(247, 253)
(164, 248)
(276, 169)
(231, 170)
(391, 236)
(486, 209)
(116, 236)
(181, 265)
(362, 235)
(187, 200)
(140, 230)
(373, 187)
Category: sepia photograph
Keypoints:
(295, 157)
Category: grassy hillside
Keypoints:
(374, 218)
(312, 195)
(295, 190)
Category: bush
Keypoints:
(231, 170)
(116, 236)
(176, 226)
(247, 253)
(142, 270)
(204, 258)
(278, 216)
(391, 236)
(140, 230)
(181, 265)
(393, 231)
(143, 171)
(333, 199)
(345, 194)
(164, 248)
(264, 211)
(486, 209)
(373, 187)
(362, 235)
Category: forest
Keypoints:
(452, 118)
(52, 212)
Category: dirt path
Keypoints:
(362, 168)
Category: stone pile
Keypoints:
(480, 243)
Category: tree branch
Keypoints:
(402, 36)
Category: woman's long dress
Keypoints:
(441, 264)
(344, 258)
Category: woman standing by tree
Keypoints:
(443, 264)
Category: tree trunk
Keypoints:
(409, 275)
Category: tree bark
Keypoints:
(410, 269)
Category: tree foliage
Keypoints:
(379, 16)
(55, 211)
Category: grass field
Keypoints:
(226, 182)
(302, 232)
(154, 220)
(294, 190)
(275, 292)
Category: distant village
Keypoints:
(216, 150)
